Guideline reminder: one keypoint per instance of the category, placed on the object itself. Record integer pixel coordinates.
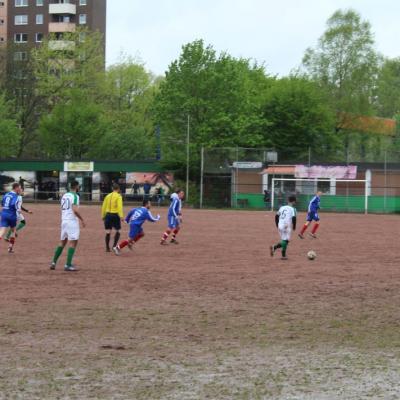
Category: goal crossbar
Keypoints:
(316, 180)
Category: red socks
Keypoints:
(138, 237)
(315, 228)
(123, 244)
(175, 232)
(303, 229)
(165, 235)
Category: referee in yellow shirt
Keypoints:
(112, 214)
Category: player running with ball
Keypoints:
(285, 221)
(312, 215)
(174, 217)
(136, 218)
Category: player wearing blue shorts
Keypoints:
(312, 215)
(136, 218)
(174, 217)
(10, 209)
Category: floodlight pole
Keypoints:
(202, 178)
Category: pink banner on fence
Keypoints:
(326, 172)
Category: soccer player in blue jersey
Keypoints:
(9, 214)
(312, 215)
(174, 217)
(136, 218)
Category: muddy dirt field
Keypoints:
(212, 318)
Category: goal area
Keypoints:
(338, 195)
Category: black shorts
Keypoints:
(112, 221)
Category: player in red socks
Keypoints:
(312, 215)
(174, 217)
(136, 218)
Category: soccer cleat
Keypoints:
(10, 250)
(300, 236)
(70, 268)
(313, 235)
(284, 258)
(272, 250)
(108, 250)
(116, 250)
(163, 243)
(53, 266)
(174, 241)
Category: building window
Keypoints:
(21, 3)
(39, 19)
(82, 19)
(20, 37)
(39, 3)
(83, 2)
(20, 56)
(21, 20)
(39, 38)
(2, 21)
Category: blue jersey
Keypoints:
(10, 204)
(175, 206)
(314, 205)
(138, 216)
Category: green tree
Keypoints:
(388, 88)
(9, 132)
(300, 118)
(73, 129)
(345, 63)
(221, 94)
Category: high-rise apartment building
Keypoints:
(3, 21)
(29, 21)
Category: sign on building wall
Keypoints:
(78, 166)
(326, 172)
(247, 165)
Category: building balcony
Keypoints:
(65, 8)
(61, 45)
(61, 27)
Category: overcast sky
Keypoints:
(276, 32)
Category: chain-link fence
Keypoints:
(253, 178)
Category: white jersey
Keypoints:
(19, 206)
(67, 202)
(286, 214)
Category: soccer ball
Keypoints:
(311, 255)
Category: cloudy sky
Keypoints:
(275, 32)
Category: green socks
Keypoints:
(20, 226)
(70, 256)
(284, 245)
(58, 253)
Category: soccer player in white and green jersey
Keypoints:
(285, 221)
(70, 231)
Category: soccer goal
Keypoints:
(338, 195)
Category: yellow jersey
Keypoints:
(112, 204)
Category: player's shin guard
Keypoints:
(315, 228)
(284, 245)
(108, 237)
(70, 256)
(116, 238)
(57, 254)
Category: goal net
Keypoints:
(338, 195)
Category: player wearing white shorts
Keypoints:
(285, 221)
(70, 229)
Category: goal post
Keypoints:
(351, 195)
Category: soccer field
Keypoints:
(212, 318)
